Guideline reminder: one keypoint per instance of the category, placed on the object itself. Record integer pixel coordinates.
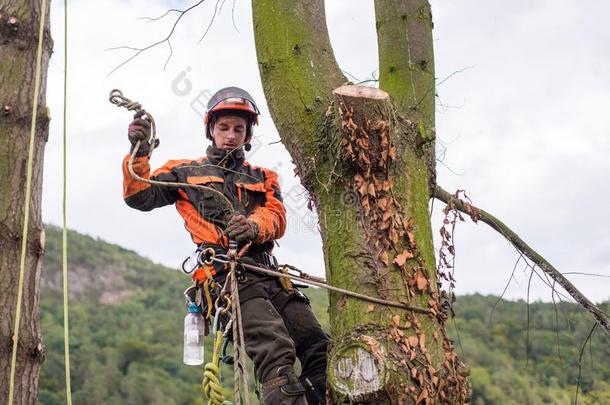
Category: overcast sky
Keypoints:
(522, 125)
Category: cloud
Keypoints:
(529, 138)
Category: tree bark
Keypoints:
(299, 72)
(406, 67)
(366, 169)
(19, 27)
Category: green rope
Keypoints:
(65, 213)
(28, 192)
(212, 386)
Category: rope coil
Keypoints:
(212, 386)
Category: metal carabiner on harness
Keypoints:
(224, 357)
(226, 299)
(197, 259)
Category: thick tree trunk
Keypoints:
(19, 22)
(366, 168)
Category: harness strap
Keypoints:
(208, 297)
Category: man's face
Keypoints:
(229, 132)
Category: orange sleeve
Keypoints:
(270, 217)
(144, 196)
(132, 186)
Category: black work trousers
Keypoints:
(279, 327)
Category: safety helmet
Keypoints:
(231, 99)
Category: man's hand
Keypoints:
(241, 229)
(139, 130)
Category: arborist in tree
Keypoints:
(278, 322)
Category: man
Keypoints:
(278, 322)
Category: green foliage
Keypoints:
(508, 367)
(130, 351)
(127, 352)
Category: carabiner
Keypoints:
(207, 256)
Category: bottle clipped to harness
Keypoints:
(193, 336)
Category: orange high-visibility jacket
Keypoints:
(254, 192)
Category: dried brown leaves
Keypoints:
(369, 148)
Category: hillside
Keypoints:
(126, 317)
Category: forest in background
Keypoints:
(126, 316)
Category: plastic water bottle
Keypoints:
(193, 336)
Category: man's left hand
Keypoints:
(241, 229)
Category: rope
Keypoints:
(28, 192)
(65, 214)
(319, 282)
(211, 375)
(116, 97)
(239, 368)
(211, 380)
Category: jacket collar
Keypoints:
(233, 161)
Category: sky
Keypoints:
(521, 118)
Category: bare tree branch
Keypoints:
(527, 335)
(476, 213)
(439, 83)
(512, 275)
(582, 349)
(150, 19)
(216, 11)
(233, 16)
(556, 321)
(585, 274)
(166, 39)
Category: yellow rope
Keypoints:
(28, 192)
(65, 213)
(208, 296)
(212, 386)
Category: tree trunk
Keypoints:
(366, 168)
(406, 67)
(19, 27)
